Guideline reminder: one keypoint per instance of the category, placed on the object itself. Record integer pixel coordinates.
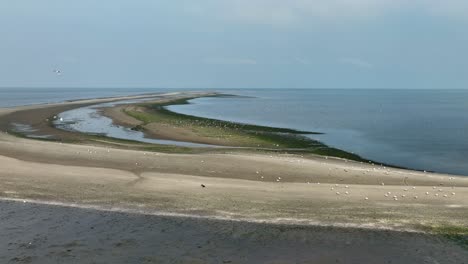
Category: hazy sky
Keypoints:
(235, 43)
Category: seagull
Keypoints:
(58, 72)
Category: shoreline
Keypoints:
(261, 186)
(156, 121)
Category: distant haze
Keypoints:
(234, 43)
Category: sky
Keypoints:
(234, 43)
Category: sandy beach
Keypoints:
(261, 207)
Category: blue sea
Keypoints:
(419, 129)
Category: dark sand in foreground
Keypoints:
(33, 233)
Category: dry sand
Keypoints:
(266, 196)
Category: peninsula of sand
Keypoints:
(270, 193)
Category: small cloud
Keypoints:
(230, 61)
(356, 62)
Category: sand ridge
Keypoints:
(259, 187)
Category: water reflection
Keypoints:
(89, 120)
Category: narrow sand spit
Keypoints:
(269, 207)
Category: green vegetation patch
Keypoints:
(458, 234)
(232, 133)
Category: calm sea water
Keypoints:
(420, 129)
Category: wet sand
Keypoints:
(34, 233)
(264, 196)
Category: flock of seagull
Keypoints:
(438, 192)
